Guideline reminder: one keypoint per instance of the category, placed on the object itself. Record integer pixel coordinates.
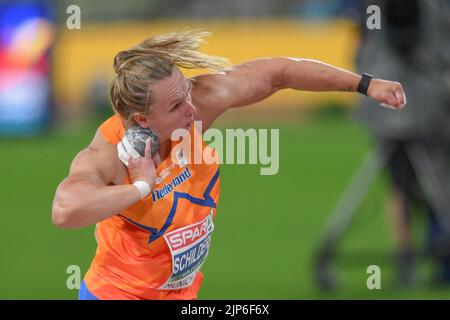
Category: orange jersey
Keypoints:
(155, 248)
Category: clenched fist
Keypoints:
(389, 94)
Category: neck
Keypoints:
(163, 151)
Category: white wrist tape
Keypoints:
(143, 187)
(125, 150)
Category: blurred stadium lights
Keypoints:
(26, 37)
(243, 30)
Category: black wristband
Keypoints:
(363, 85)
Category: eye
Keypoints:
(175, 107)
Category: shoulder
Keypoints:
(211, 96)
(112, 129)
(244, 84)
(210, 88)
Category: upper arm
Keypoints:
(99, 160)
(85, 166)
(92, 168)
(245, 84)
(83, 179)
(85, 176)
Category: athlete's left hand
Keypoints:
(389, 94)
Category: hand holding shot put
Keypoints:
(142, 169)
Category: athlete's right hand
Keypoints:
(143, 168)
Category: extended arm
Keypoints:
(255, 80)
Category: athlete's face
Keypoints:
(173, 106)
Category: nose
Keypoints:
(191, 109)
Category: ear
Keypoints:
(141, 120)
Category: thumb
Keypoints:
(400, 95)
(148, 149)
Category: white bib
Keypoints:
(189, 247)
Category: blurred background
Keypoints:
(341, 200)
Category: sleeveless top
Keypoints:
(155, 248)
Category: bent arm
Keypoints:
(84, 198)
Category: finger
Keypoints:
(129, 149)
(122, 153)
(400, 96)
(148, 149)
(131, 162)
(157, 158)
(392, 100)
(387, 106)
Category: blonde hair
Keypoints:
(154, 59)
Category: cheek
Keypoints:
(161, 125)
(173, 122)
(166, 123)
(179, 121)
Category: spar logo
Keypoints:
(189, 248)
(187, 236)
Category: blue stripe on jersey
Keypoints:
(207, 201)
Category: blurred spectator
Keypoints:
(413, 47)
